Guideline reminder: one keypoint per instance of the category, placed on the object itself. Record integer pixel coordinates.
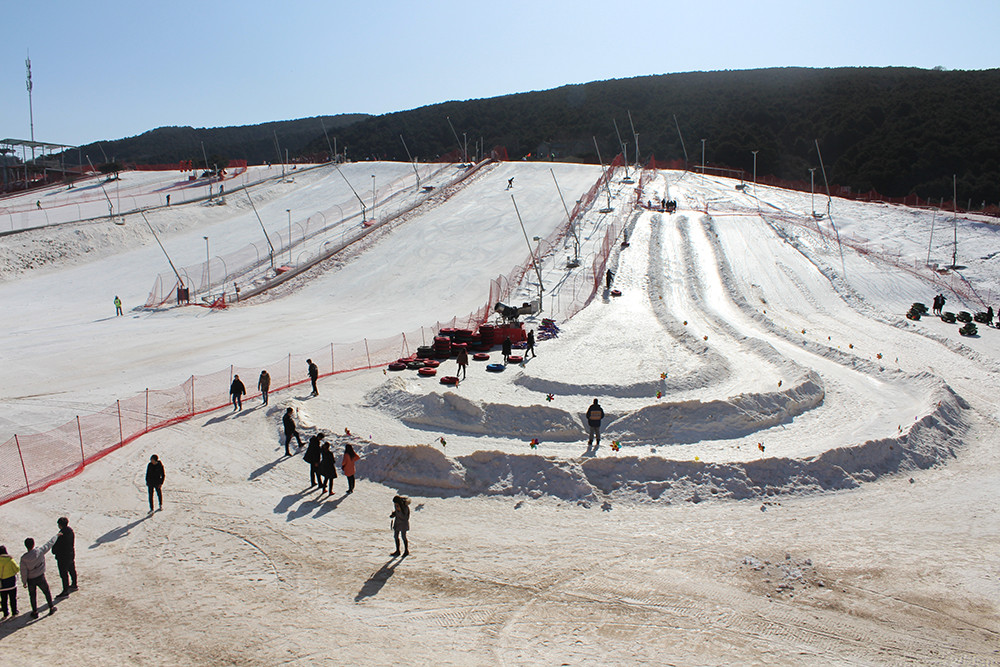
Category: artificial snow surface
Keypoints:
(848, 453)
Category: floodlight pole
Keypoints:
(289, 212)
(954, 195)
(373, 197)
(703, 159)
(31, 110)
(755, 172)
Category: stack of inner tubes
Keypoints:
(442, 347)
(486, 335)
(456, 347)
(425, 352)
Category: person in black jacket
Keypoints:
(313, 375)
(505, 349)
(155, 474)
(290, 431)
(313, 456)
(327, 468)
(595, 413)
(530, 346)
(237, 391)
(65, 553)
(264, 384)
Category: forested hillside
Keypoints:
(895, 130)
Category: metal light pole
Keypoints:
(373, 197)
(754, 172)
(702, 157)
(289, 212)
(208, 269)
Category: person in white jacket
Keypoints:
(33, 573)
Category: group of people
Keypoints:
(938, 308)
(507, 347)
(32, 570)
(323, 464)
(237, 390)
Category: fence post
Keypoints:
(79, 430)
(367, 354)
(27, 484)
(192, 394)
(289, 369)
(231, 374)
(332, 367)
(121, 434)
(147, 410)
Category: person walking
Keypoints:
(530, 347)
(313, 456)
(505, 349)
(595, 413)
(33, 573)
(463, 361)
(290, 431)
(313, 375)
(237, 391)
(608, 277)
(263, 384)
(327, 468)
(65, 552)
(118, 306)
(155, 474)
(8, 583)
(400, 523)
(347, 465)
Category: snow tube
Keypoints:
(515, 359)
(449, 379)
(495, 368)
(427, 372)
(431, 363)
(616, 292)
(425, 351)
(396, 366)
(415, 365)
(481, 356)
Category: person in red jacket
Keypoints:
(347, 465)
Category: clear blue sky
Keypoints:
(112, 69)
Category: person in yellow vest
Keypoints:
(8, 582)
(118, 306)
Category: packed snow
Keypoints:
(790, 471)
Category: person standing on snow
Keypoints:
(263, 384)
(237, 391)
(313, 456)
(347, 465)
(313, 375)
(8, 582)
(463, 361)
(118, 306)
(594, 416)
(33, 573)
(155, 474)
(327, 468)
(65, 552)
(505, 349)
(530, 344)
(290, 431)
(400, 523)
